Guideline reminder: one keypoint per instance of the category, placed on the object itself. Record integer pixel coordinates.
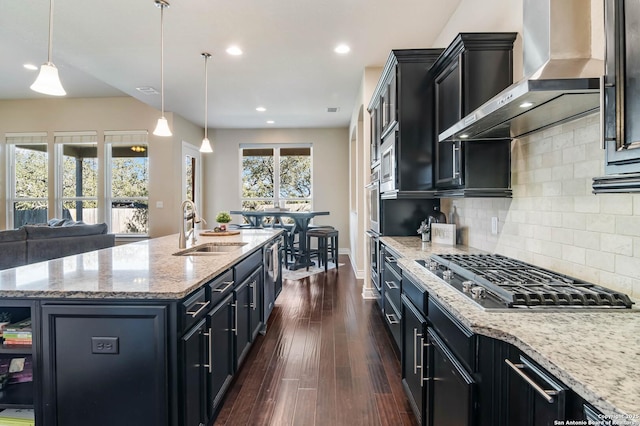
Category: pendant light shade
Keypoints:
(48, 81)
(162, 128)
(206, 145)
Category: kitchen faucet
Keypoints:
(194, 218)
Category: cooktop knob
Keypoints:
(433, 265)
(478, 292)
(467, 286)
(447, 274)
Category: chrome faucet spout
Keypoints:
(192, 217)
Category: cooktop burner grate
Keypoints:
(520, 284)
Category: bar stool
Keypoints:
(327, 246)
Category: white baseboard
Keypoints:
(369, 294)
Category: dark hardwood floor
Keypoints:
(326, 360)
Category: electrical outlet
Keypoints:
(104, 345)
(494, 225)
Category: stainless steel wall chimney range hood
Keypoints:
(562, 81)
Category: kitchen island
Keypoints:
(595, 353)
(135, 334)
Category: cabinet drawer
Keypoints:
(393, 320)
(221, 286)
(416, 293)
(391, 262)
(193, 308)
(458, 338)
(246, 267)
(392, 282)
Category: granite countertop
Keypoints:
(597, 354)
(143, 270)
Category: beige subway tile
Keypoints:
(574, 220)
(574, 254)
(586, 239)
(552, 189)
(636, 204)
(533, 245)
(619, 244)
(551, 159)
(563, 172)
(600, 260)
(572, 187)
(619, 204)
(563, 204)
(628, 225)
(619, 283)
(562, 235)
(587, 204)
(563, 140)
(627, 265)
(636, 246)
(588, 134)
(552, 219)
(542, 232)
(601, 223)
(551, 249)
(542, 175)
(586, 169)
(534, 217)
(573, 154)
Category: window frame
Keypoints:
(276, 170)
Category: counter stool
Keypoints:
(327, 246)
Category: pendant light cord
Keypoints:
(206, 93)
(50, 32)
(162, 6)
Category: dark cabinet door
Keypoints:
(534, 398)
(255, 305)
(414, 361)
(104, 365)
(452, 388)
(242, 305)
(622, 87)
(194, 355)
(448, 112)
(220, 348)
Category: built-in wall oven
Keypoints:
(388, 161)
(373, 200)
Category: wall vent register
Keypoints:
(494, 281)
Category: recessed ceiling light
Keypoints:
(270, 121)
(31, 67)
(234, 50)
(261, 109)
(342, 49)
(526, 104)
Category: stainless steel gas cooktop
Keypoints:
(496, 282)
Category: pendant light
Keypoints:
(206, 145)
(162, 128)
(48, 81)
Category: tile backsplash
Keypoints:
(553, 219)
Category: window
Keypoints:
(127, 178)
(28, 179)
(276, 176)
(77, 189)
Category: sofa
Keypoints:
(57, 238)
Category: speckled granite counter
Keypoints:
(597, 354)
(142, 270)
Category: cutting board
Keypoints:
(211, 233)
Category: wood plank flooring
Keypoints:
(326, 360)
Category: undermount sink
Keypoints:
(210, 249)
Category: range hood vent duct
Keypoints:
(562, 81)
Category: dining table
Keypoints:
(301, 221)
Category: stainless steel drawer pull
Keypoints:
(210, 365)
(392, 285)
(254, 286)
(546, 394)
(392, 319)
(225, 288)
(202, 306)
(415, 351)
(235, 314)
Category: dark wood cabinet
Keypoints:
(414, 358)
(221, 361)
(105, 365)
(473, 69)
(621, 99)
(255, 307)
(194, 351)
(401, 105)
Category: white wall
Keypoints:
(221, 187)
(100, 114)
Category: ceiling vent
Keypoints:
(333, 109)
(147, 90)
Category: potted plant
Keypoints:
(223, 218)
(424, 231)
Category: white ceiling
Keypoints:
(111, 47)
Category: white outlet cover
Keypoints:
(159, 204)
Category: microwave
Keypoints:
(388, 162)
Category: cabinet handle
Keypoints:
(415, 351)
(390, 259)
(546, 394)
(222, 290)
(235, 314)
(202, 306)
(453, 166)
(391, 287)
(254, 287)
(392, 319)
(422, 345)
(210, 365)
